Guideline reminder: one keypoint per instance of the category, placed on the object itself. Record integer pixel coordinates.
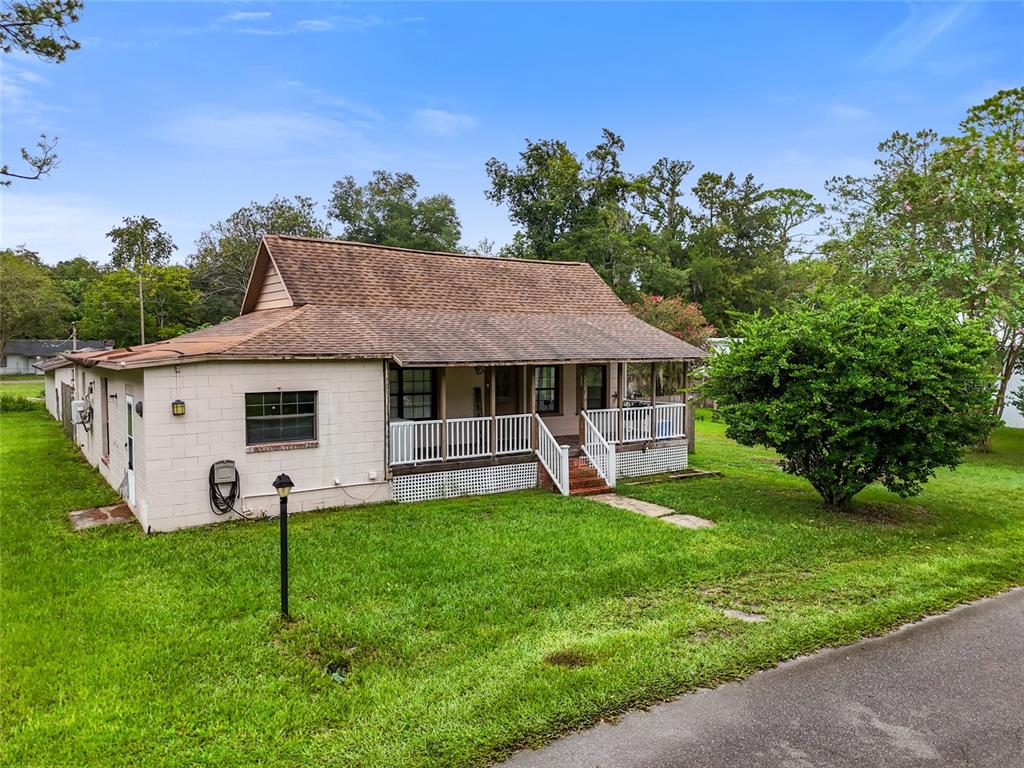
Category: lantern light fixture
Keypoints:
(178, 408)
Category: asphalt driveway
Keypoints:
(947, 691)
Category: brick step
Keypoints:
(590, 491)
(589, 472)
(590, 482)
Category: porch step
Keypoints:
(584, 480)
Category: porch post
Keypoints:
(622, 402)
(531, 393)
(654, 401)
(688, 413)
(491, 405)
(442, 411)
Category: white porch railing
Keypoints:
(469, 438)
(513, 433)
(553, 456)
(670, 422)
(415, 441)
(599, 452)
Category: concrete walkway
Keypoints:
(947, 691)
(647, 509)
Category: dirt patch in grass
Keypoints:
(570, 658)
(886, 513)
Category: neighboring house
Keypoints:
(370, 373)
(20, 356)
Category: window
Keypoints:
(275, 417)
(595, 387)
(549, 389)
(413, 393)
(505, 385)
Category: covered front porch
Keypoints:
(443, 418)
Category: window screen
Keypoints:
(273, 417)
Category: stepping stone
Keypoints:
(688, 521)
(647, 509)
(743, 616)
(90, 518)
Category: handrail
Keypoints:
(669, 422)
(553, 456)
(598, 451)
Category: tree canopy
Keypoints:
(387, 210)
(856, 390)
(31, 304)
(224, 253)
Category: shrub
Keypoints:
(17, 403)
(851, 391)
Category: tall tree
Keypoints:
(387, 210)
(946, 215)
(31, 305)
(140, 242)
(110, 303)
(37, 28)
(73, 277)
(224, 253)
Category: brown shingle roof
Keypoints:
(419, 308)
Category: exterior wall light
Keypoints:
(178, 408)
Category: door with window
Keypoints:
(129, 401)
(507, 395)
(594, 387)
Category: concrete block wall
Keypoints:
(346, 466)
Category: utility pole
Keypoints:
(74, 336)
(138, 268)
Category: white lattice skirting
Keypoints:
(464, 482)
(650, 462)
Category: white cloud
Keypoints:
(245, 16)
(921, 28)
(313, 25)
(849, 112)
(59, 227)
(239, 131)
(440, 122)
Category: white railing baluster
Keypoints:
(598, 451)
(554, 457)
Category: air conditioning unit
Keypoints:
(78, 409)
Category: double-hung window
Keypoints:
(278, 417)
(549, 389)
(413, 393)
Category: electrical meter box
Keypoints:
(224, 472)
(77, 409)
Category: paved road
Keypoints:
(948, 691)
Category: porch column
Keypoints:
(622, 402)
(531, 394)
(688, 413)
(492, 408)
(442, 410)
(654, 401)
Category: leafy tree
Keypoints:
(31, 305)
(945, 215)
(73, 277)
(224, 253)
(110, 304)
(857, 390)
(387, 210)
(682, 319)
(140, 242)
(38, 28)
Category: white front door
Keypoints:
(130, 445)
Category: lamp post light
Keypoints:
(283, 484)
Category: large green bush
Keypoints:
(851, 391)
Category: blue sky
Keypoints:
(187, 111)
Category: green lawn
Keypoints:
(22, 386)
(467, 628)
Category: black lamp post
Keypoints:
(284, 484)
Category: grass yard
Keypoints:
(22, 386)
(465, 628)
